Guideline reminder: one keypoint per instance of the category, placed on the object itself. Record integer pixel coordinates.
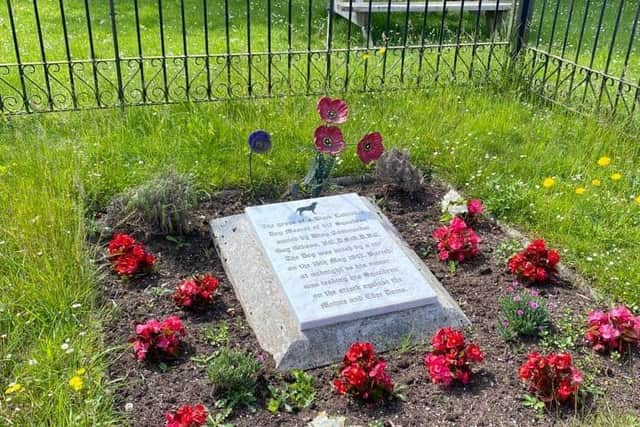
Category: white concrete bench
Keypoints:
(495, 11)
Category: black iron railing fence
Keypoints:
(60, 55)
(585, 54)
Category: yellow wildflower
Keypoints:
(596, 182)
(365, 56)
(637, 200)
(81, 371)
(13, 388)
(616, 176)
(604, 161)
(3, 170)
(382, 50)
(548, 182)
(581, 190)
(76, 383)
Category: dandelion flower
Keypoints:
(604, 161)
(13, 388)
(382, 50)
(616, 176)
(76, 383)
(596, 182)
(81, 371)
(548, 182)
(365, 56)
(637, 200)
(580, 191)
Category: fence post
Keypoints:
(522, 23)
(116, 50)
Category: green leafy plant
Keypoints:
(162, 205)
(217, 336)
(534, 403)
(297, 395)
(565, 335)
(218, 420)
(234, 375)
(523, 313)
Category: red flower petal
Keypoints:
(329, 140)
(370, 147)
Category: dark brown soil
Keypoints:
(147, 390)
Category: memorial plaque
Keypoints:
(336, 261)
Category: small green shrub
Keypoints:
(395, 166)
(234, 375)
(523, 313)
(299, 394)
(162, 205)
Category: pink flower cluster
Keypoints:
(552, 378)
(612, 330)
(187, 416)
(456, 242)
(155, 339)
(363, 374)
(451, 359)
(535, 264)
(475, 207)
(196, 292)
(129, 257)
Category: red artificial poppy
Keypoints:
(332, 110)
(370, 147)
(329, 140)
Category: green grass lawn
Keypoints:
(57, 170)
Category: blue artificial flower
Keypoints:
(259, 142)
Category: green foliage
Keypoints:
(217, 336)
(591, 368)
(299, 394)
(522, 314)
(567, 333)
(162, 205)
(234, 375)
(218, 420)
(506, 249)
(534, 403)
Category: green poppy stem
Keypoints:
(251, 168)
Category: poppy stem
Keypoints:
(251, 169)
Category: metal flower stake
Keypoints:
(329, 143)
(259, 143)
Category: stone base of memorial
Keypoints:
(315, 275)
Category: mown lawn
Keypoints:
(57, 170)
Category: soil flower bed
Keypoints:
(494, 396)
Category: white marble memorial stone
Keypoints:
(313, 276)
(336, 261)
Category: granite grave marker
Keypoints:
(315, 275)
